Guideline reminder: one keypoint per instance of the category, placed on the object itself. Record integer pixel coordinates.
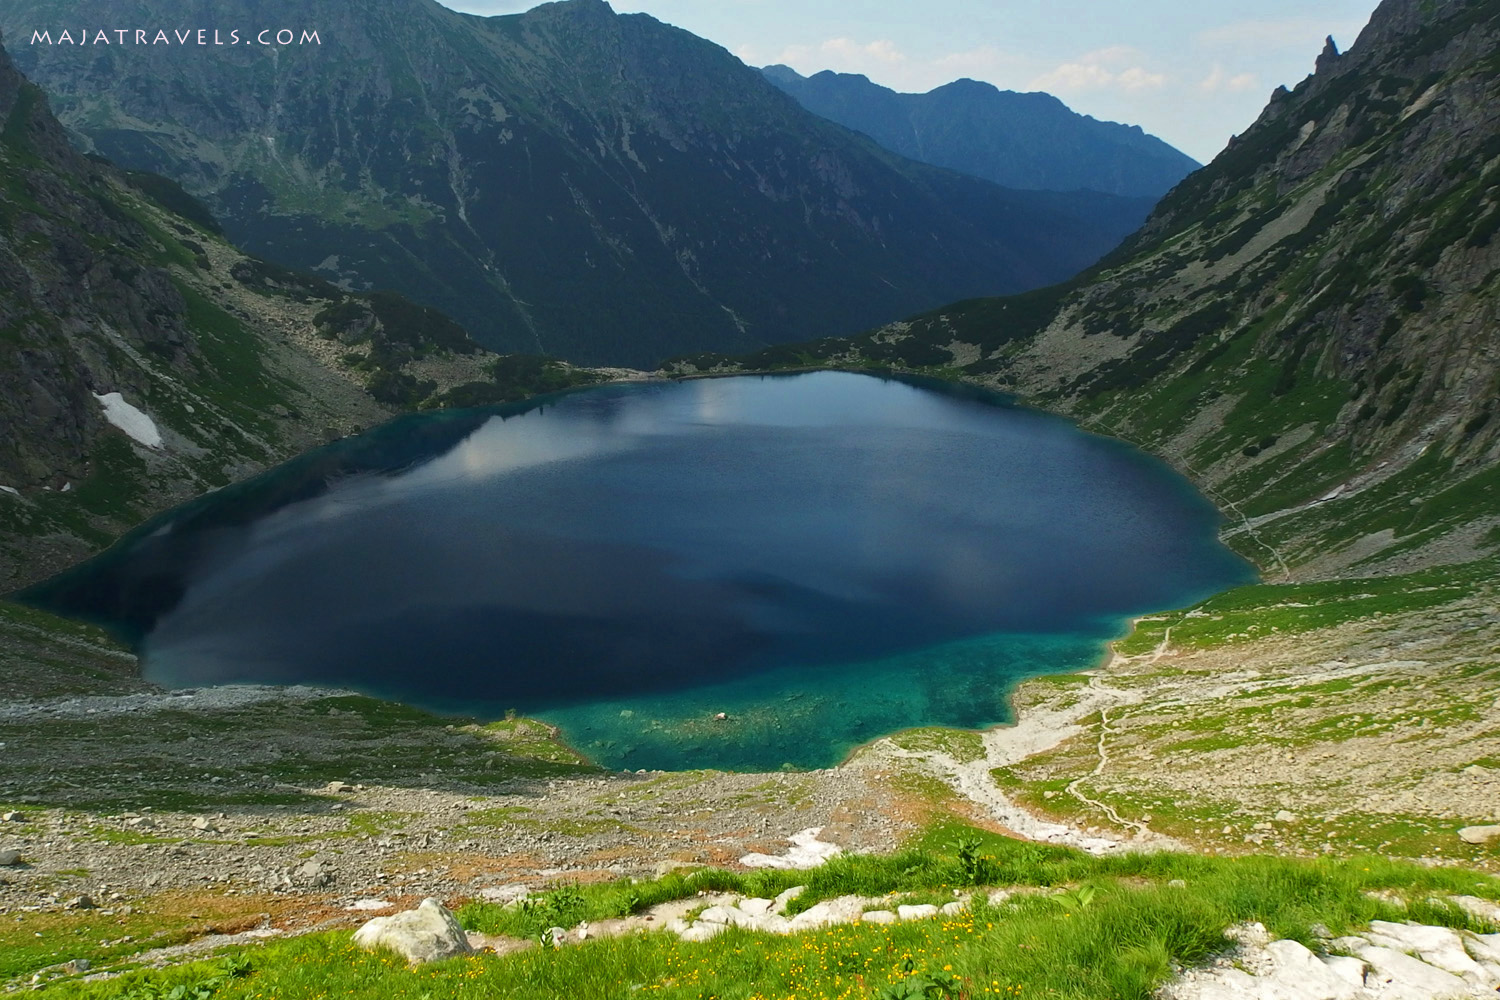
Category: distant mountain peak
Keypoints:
(1021, 140)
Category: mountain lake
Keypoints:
(823, 558)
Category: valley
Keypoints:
(1305, 328)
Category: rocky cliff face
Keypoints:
(1309, 324)
(144, 360)
(1028, 141)
(566, 181)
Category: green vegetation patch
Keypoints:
(1117, 931)
(963, 745)
(1263, 610)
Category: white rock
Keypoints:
(1437, 946)
(1401, 977)
(878, 917)
(1484, 909)
(702, 931)
(140, 428)
(1350, 970)
(730, 915)
(921, 912)
(1295, 965)
(954, 908)
(807, 851)
(370, 904)
(756, 907)
(426, 934)
(1286, 816)
(1479, 834)
(1485, 947)
(843, 910)
(770, 923)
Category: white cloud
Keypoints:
(842, 55)
(1220, 80)
(1118, 67)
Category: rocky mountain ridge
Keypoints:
(568, 181)
(1030, 141)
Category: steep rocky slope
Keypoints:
(144, 360)
(602, 188)
(1308, 326)
(1030, 141)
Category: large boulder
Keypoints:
(426, 934)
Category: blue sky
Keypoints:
(1194, 73)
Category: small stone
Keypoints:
(721, 717)
(201, 823)
(1285, 816)
(337, 786)
(12, 817)
(921, 912)
(1177, 883)
(10, 859)
(79, 903)
(80, 965)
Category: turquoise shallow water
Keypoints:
(825, 557)
(795, 718)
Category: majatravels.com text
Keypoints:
(192, 36)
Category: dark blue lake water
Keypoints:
(826, 557)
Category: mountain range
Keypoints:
(568, 181)
(1028, 141)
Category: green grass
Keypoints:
(1122, 945)
(963, 745)
(1263, 610)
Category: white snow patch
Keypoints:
(132, 421)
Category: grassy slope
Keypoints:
(1120, 945)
